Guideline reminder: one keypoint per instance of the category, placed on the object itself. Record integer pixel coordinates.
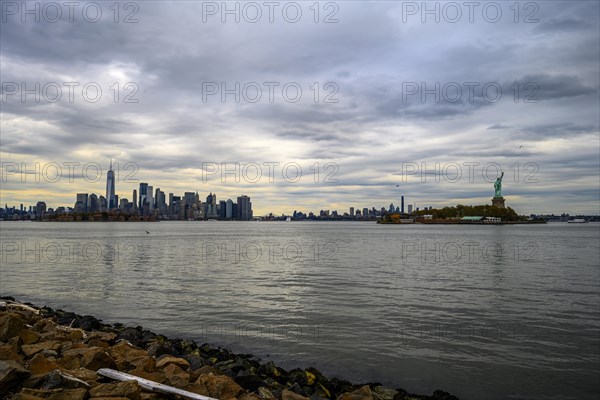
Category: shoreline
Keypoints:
(441, 222)
(46, 352)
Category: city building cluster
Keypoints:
(146, 203)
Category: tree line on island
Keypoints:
(449, 212)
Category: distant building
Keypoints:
(229, 209)
(150, 199)
(222, 209)
(244, 207)
(93, 203)
(40, 209)
(410, 208)
(81, 203)
(110, 188)
(352, 211)
(102, 202)
(143, 199)
(160, 201)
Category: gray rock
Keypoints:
(11, 374)
(383, 393)
(57, 379)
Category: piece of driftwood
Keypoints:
(13, 304)
(151, 385)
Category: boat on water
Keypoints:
(577, 221)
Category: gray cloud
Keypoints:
(370, 54)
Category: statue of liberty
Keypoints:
(498, 186)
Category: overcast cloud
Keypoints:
(368, 124)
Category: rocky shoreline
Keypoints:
(54, 354)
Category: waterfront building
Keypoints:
(229, 209)
(211, 206)
(110, 188)
(150, 199)
(102, 202)
(143, 196)
(222, 209)
(93, 203)
(81, 203)
(161, 204)
(244, 207)
(40, 209)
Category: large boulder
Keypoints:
(166, 359)
(96, 358)
(11, 325)
(8, 352)
(364, 393)
(40, 365)
(11, 374)
(29, 336)
(127, 356)
(84, 374)
(220, 386)
(289, 395)
(45, 326)
(92, 358)
(176, 376)
(130, 390)
(31, 349)
(383, 393)
(54, 394)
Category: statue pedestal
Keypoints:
(498, 202)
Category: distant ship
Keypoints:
(577, 221)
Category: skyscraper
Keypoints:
(40, 209)
(143, 194)
(110, 188)
(150, 198)
(103, 203)
(161, 203)
(222, 209)
(93, 203)
(211, 205)
(229, 209)
(81, 202)
(244, 207)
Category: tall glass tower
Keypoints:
(110, 188)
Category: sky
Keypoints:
(302, 105)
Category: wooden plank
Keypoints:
(151, 385)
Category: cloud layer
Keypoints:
(381, 91)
